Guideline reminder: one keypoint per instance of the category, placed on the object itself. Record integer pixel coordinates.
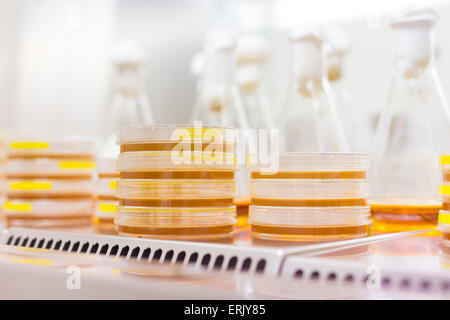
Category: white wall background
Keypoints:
(56, 77)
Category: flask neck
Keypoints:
(217, 80)
(414, 48)
(128, 81)
(307, 67)
(249, 76)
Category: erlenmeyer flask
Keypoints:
(130, 105)
(251, 56)
(311, 122)
(218, 100)
(412, 131)
(356, 120)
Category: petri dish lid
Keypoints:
(179, 217)
(48, 207)
(49, 167)
(62, 187)
(167, 160)
(174, 133)
(297, 161)
(308, 189)
(175, 189)
(63, 147)
(300, 216)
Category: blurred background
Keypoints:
(56, 75)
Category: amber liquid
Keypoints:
(228, 175)
(446, 206)
(311, 175)
(308, 202)
(50, 196)
(169, 146)
(405, 215)
(108, 175)
(107, 198)
(446, 176)
(225, 202)
(242, 204)
(308, 233)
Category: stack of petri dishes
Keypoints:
(105, 198)
(444, 190)
(49, 184)
(176, 182)
(3, 158)
(310, 197)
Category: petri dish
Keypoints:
(313, 189)
(309, 224)
(176, 223)
(295, 165)
(397, 215)
(310, 197)
(50, 188)
(64, 148)
(174, 133)
(50, 168)
(173, 189)
(158, 161)
(48, 213)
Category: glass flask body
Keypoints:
(356, 121)
(217, 109)
(130, 107)
(412, 131)
(311, 122)
(257, 109)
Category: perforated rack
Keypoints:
(270, 262)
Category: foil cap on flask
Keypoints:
(338, 45)
(251, 54)
(307, 62)
(413, 40)
(128, 58)
(218, 69)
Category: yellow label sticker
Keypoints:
(17, 206)
(30, 185)
(444, 189)
(74, 165)
(34, 261)
(444, 218)
(23, 145)
(445, 159)
(114, 271)
(107, 207)
(113, 184)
